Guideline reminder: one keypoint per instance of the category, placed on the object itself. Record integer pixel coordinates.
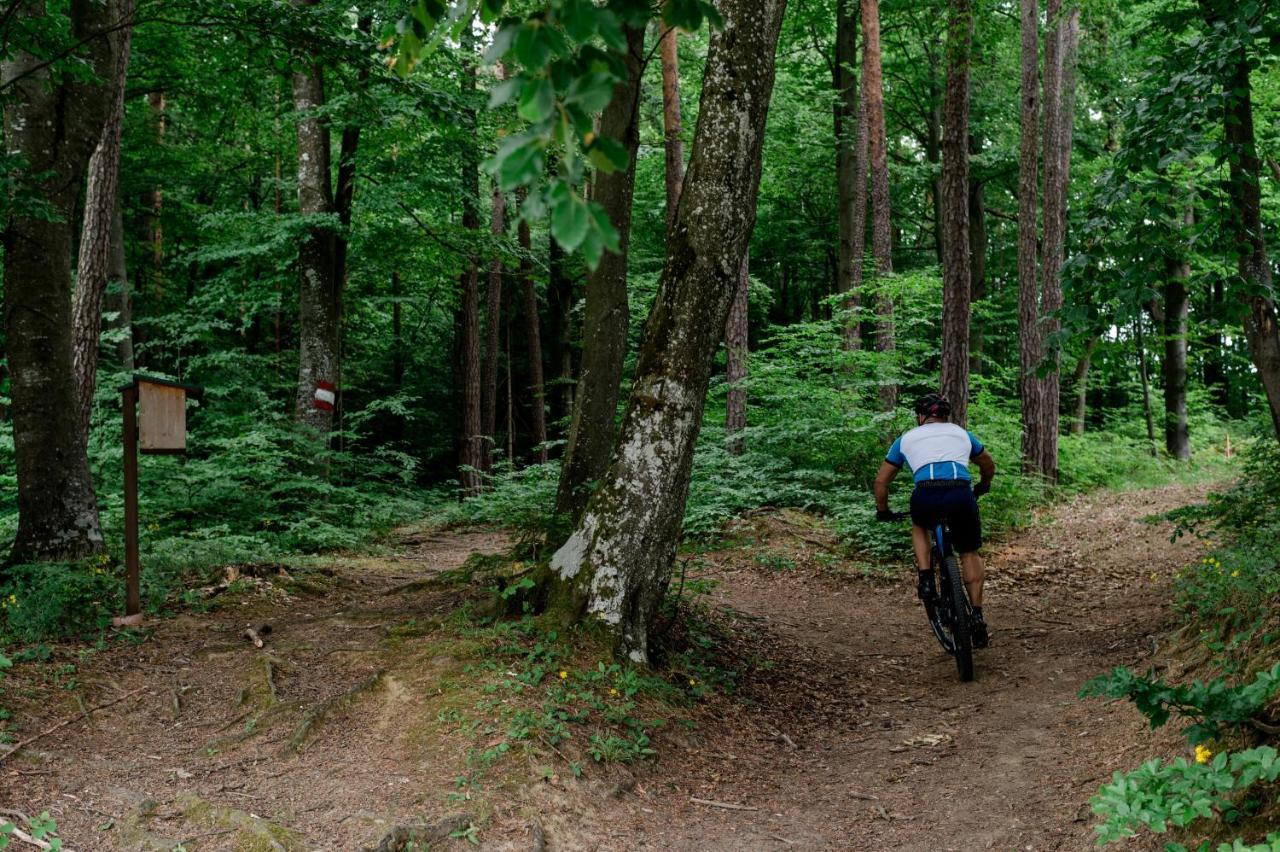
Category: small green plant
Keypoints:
(42, 829)
(1160, 795)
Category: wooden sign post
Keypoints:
(161, 429)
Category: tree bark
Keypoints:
(1080, 382)
(851, 166)
(878, 160)
(1215, 374)
(977, 262)
(101, 207)
(672, 128)
(153, 199)
(320, 286)
(1145, 376)
(119, 298)
(617, 564)
(560, 301)
(1029, 335)
(533, 340)
(957, 260)
(736, 347)
(606, 318)
(1261, 328)
(1177, 438)
(471, 452)
(493, 321)
(53, 120)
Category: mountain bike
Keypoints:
(948, 609)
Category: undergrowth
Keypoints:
(1224, 795)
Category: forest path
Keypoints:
(850, 732)
(890, 750)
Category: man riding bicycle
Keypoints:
(938, 453)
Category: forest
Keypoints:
(582, 301)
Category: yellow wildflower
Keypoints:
(1203, 754)
(613, 692)
(1153, 576)
(563, 674)
(692, 682)
(1235, 573)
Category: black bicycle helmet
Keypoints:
(933, 405)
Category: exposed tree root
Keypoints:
(423, 836)
(337, 703)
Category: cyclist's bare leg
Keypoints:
(975, 572)
(920, 543)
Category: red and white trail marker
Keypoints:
(326, 396)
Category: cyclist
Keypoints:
(938, 453)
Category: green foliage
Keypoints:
(40, 828)
(1214, 705)
(1160, 796)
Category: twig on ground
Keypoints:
(712, 803)
(47, 731)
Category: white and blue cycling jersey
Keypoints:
(936, 451)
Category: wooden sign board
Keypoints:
(162, 418)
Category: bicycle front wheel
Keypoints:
(961, 637)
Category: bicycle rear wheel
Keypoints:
(961, 638)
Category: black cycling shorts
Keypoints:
(954, 504)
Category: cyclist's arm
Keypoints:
(887, 472)
(986, 465)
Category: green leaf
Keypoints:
(504, 92)
(531, 46)
(503, 40)
(592, 92)
(608, 155)
(604, 228)
(570, 221)
(537, 100)
(490, 10)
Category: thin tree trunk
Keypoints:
(153, 199)
(1144, 374)
(606, 318)
(878, 159)
(53, 120)
(471, 452)
(533, 339)
(1215, 375)
(851, 165)
(1177, 438)
(397, 334)
(1029, 335)
(493, 321)
(1080, 382)
(559, 332)
(119, 299)
(617, 564)
(977, 262)
(957, 261)
(736, 345)
(101, 207)
(672, 129)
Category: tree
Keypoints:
(533, 341)
(1040, 299)
(851, 166)
(735, 347)
(493, 321)
(954, 213)
(471, 450)
(672, 129)
(616, 565)
(878, 160)
(53, 119)
(101, 257)
(606, 316)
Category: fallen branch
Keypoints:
(29, 740)
(712, 803)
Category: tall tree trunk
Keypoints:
(533, 339)
(53, 120)
(1029, 335)
(617, 564)
(957, 260)
(851, 165)
(471, 453)
(493, 320)
(1177, 438)
(878, 157)
(1261, 326)
(606, 317)
(672, 129)
(560, 300)
(977, 262)
(735, 346)
(119, 299)
(397, 334)
(1080, 383)
(1145, 375)
(1215, 375)
(101, 207)
(153, 199)
(320, 288)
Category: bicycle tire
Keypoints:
(960, 633)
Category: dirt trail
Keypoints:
(890, 750)
(857, 736)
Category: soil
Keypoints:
(850, 731)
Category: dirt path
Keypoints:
(855, 735)
(890, 750)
